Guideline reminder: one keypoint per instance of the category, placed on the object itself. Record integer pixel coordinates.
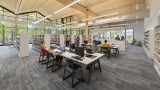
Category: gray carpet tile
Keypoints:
(131, 70)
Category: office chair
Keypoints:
(72, 68)
(106, 50)
(72, 47)
(57, 62)
(42, 56)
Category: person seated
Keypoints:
(105, 44)
(43, 53)
(122, 38)
(85, 42)
(117, 37)
(43, 49)
(105, 48)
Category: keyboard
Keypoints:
(77, 57)
(88, 55)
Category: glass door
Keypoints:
(129, 35)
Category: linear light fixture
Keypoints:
(68, 5)
(42, 19)
(100, 16)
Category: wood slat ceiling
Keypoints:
(80, 10)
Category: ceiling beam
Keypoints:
(79, 7)
(17, 6)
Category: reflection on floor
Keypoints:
(131, 70)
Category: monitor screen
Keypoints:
(79, 51)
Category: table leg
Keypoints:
(90, 72)
(118, 51)
(99, 65)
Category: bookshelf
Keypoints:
(22, 45)
(157, 49)
(146, 42)
(55, 40)
(37, 39)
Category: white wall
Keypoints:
(138, 30)
(151, 22)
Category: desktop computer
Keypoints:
(79, 51)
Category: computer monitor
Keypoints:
(72, 46)
(79, 51)
(98, 42)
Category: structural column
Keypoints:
(87, 30)
(16, 27)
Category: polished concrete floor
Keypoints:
(131, 70)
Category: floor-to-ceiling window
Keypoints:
(113, 34)
(129, 35)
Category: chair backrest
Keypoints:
(70, 63)
(105, 49)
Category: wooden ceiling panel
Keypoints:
(79, 7)
(89, 3)
(91, 7)
(54, 6)
(9, 4)
(114, 4)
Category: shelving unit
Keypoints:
(22, 45)
(38, 38)
(157, 49)
(146, 42)
(37, 41)
(55, 40)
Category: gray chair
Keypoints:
(72, 68)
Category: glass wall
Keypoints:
(113, 34)
(7, 28)
(129, 35)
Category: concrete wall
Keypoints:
(138, 30)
